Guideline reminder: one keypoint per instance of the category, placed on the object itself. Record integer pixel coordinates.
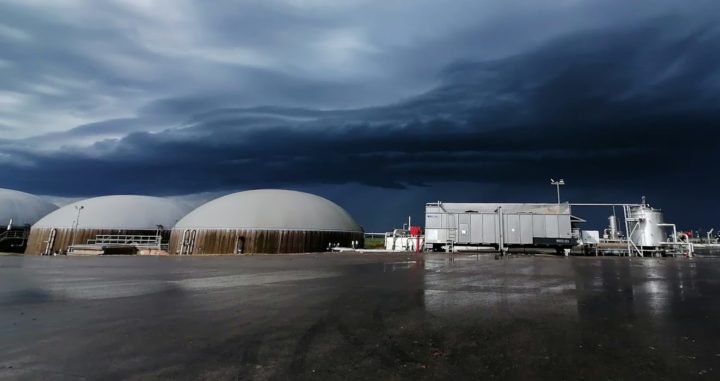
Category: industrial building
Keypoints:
(501, 226)
(106, 225)
(18, 211)
(265, 221)
(469, 226)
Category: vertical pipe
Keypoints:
(627, 228)
(501, 230)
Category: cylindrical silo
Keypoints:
(613, 231)
(644, 224)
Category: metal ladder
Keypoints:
(452, 238)
(632, 248)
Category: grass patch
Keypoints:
(374, 243)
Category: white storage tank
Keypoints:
(644, 224)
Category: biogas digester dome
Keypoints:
(19, 210)
(22, 208)
(81, 221)
(264, 221)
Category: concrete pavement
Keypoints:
(358, 317)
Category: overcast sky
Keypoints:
(380, 106)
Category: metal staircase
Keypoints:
(632, 248)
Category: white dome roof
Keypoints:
(270, 209)
(22, 208)
(116, 212)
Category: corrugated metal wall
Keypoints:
(225, 241)
(484, 228)
(63, 237)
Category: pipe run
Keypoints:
(675, 241)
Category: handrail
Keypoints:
(136, 240)
(13, 234)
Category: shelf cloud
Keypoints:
(183, 98)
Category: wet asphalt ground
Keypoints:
(359, 317)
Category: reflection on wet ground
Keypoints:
(359, 317)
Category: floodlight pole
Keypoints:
(79, 209)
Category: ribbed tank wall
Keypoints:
(225, 241)
(37, 242)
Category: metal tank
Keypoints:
(612, 231)
(644, 224)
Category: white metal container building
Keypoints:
(498, 225)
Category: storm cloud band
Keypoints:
(634, 105)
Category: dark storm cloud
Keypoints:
(66, 63)
(638, 105)
(620, 101)
(73, 62)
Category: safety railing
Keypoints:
(150, 241)
(13, 234)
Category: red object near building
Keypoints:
(415, 231)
